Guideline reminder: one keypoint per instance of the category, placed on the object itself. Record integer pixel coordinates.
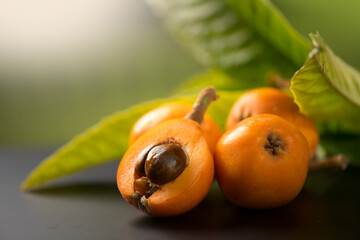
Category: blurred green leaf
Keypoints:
(268, 21)
(212, 32)
(328, 90)
(230, 33)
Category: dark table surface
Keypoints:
(89, 206)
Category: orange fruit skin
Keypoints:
(190, 187)
(250, 176)
(174, 110)
(273, 101)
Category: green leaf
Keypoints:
(219, 35)
(210, 30)
(108, 140)
(328, 89)
(269, 22)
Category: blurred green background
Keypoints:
(54, 88)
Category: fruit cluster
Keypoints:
(260, 162)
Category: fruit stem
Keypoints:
(276, 80)
(334, 162)
(206, 96)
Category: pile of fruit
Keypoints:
(260, 162)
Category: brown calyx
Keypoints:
(274, 145)
(206, 96)
(145, 187)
